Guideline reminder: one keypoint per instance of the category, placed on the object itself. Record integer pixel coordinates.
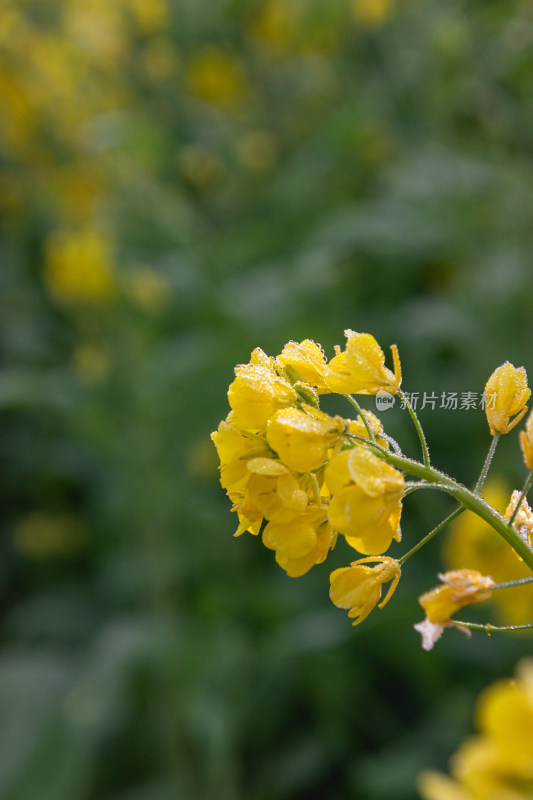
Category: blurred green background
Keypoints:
(180, 182)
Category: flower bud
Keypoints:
(506, 395)
(526, 442)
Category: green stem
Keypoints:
(474, 502)
(414, 486)
(512, 584)
(525, 490)
(488, 628)
(492, 449)
(463, 495)
(359, 410)
(417, 425)
(431, 534)
(394, 444)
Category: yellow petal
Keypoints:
(266, 466)
(505, 714)
(352, 510)
(346, 584)
(361, 368)
(257, 393)
(300, 439)
(291, 494)
(293, 540)
(434, 786)
(374, 540)
(374, 475)
(309, 361)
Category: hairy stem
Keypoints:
(463, 495)
(359, 410)
(431, 534)
(511, 584)
(417, 425)
(488, 628)
(486, 466)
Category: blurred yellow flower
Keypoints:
(42, 534)
(372, 13)
(149, 17)
(91, 363)
(473, 544)
(78, 266)
(217, 76)
(257, 150)
(80, 190)
(459, 588)
(358, 587)
(366, 500)
(434, 786)
(276, 24)
(361, 369)
(160, 58)
(97, 32)
(497, 764)
(506, 394)
(148, 289)
(18, 121)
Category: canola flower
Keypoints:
(459, 588)
(303, 479)
(358, 587)
(497, 763)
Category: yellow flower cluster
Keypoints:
(300, 476)
(498, 762)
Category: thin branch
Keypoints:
(417, 425)
(511, 584)
(359, 410)
(431, 534)
(488, 628)
(484, 472)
